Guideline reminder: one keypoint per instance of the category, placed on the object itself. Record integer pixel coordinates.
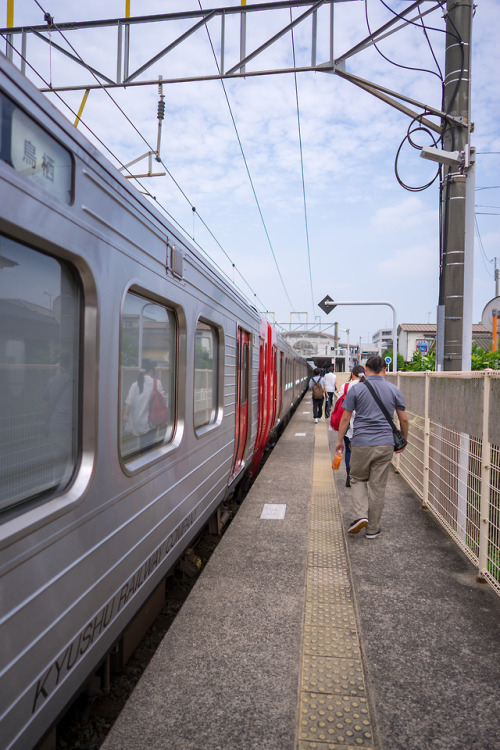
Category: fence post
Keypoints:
(397, 456)
(484, 520)
(427, 428)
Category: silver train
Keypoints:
(104, 307)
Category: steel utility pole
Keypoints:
(454, 330)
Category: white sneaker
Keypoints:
(316, 421)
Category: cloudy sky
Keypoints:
(367, 237)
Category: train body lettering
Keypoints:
(179, 532)
(65, 663)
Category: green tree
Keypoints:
(389, 353)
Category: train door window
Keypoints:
(39, 346)
(241, 402)
(148, 369)
(206, 366)
(281, 375)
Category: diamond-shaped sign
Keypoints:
(326, 304)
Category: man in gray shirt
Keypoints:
(372, 444)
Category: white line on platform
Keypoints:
(300, 434)
(274, 511)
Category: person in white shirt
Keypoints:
(331, 387)
(137, 405)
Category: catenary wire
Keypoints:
(247, 168)
(484, 257)
(54, 26)
(154, 198)
(302, 169)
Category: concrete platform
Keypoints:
(431, 633)
(296, 637)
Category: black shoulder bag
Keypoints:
(399, 441)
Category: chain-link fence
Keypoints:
(453, 457)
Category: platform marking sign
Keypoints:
(274, 511)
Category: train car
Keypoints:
(102, 303)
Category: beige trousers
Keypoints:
(369, 471)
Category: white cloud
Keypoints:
(356, 208)
(410, 263)
(408, 214)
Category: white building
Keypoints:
(414, 337)
(382, 339)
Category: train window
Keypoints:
(205, 374)
(34, 153)
(148, 367)
(39, 339)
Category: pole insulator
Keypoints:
(161, 109)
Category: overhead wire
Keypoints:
(416, 124)
(484, 257)
(302, 167)
(444, 193)
(409, 22)
(48, 17)
(247, 167)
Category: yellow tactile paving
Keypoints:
(334, 709)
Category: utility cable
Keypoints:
(392, 62)
(246, 165)
(302, 168)
(425, 28)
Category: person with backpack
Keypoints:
(318, 387)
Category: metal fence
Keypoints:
(452, 460)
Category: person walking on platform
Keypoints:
(331, 387)
(357, 376)
(318, 388)
(372, 444)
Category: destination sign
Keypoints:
(39, 157)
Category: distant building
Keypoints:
(312, 343)
(320, 348)
(382, 339)
(413, 337)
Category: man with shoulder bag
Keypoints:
(374, 441)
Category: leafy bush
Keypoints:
(421, 362)
(480, 360)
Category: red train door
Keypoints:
(274, 386)
(280, 384)
(241, 404)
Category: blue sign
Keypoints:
(422, 346)
(388, 360)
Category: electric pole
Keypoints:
(454, 330)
